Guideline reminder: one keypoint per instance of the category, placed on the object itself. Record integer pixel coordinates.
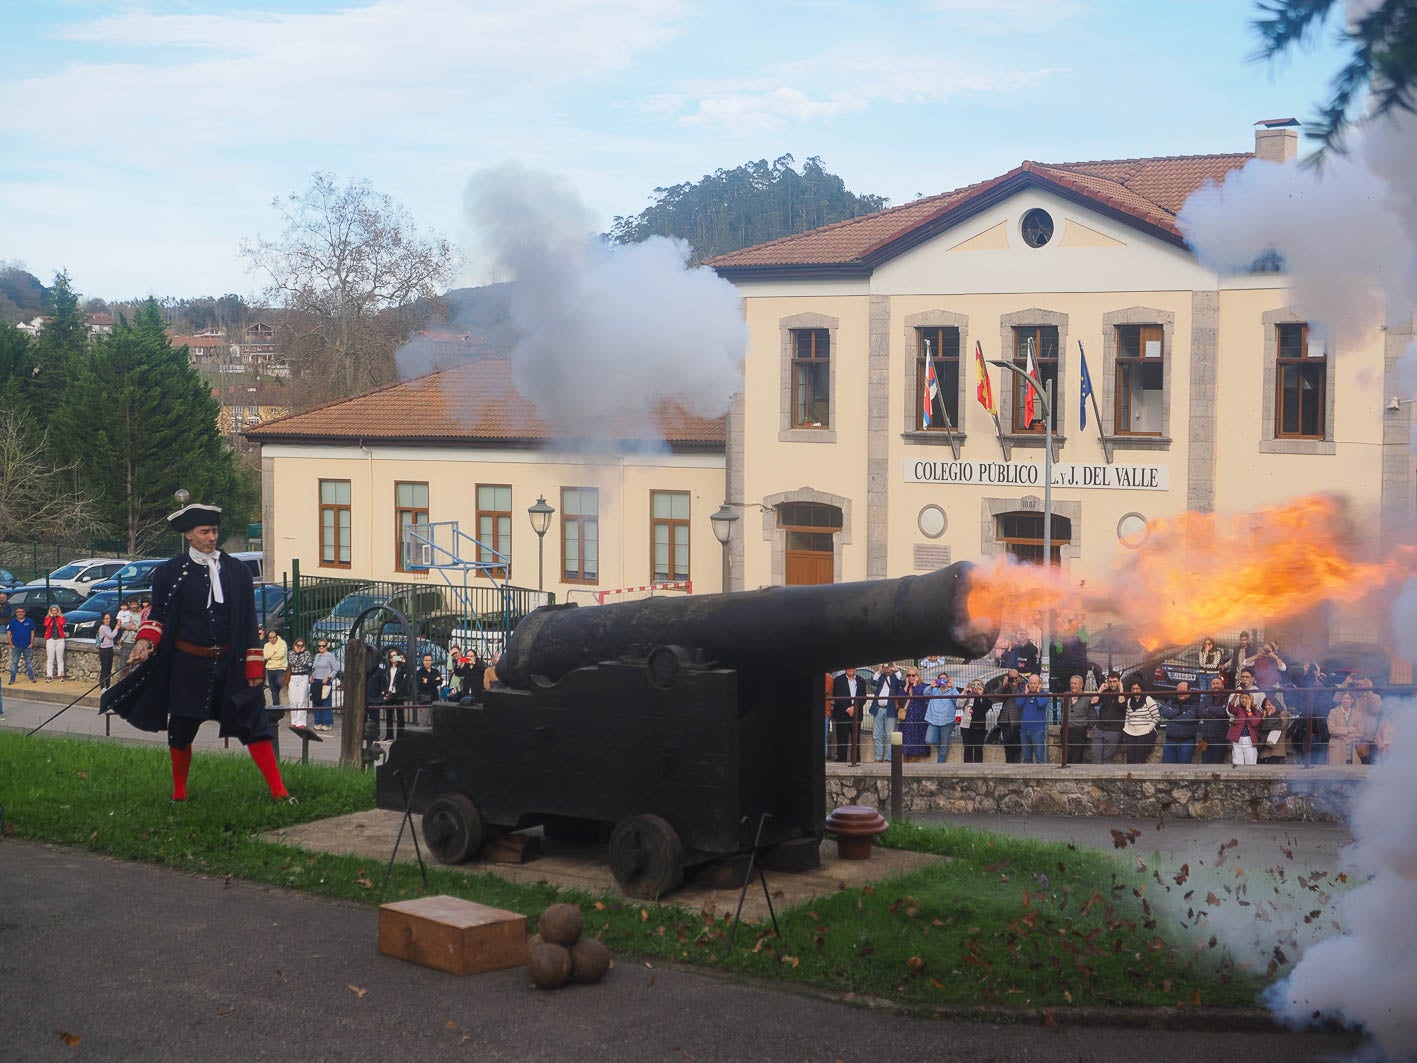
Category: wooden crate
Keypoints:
(453, 935)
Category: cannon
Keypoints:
(673, 724)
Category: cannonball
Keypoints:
(532, 942)
(561, 924)
(549, 966)
(589, 961)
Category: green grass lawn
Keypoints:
(1003, 923)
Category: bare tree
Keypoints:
(348, 269)
(38, 501)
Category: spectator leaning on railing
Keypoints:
(1215, 723)
(889, 685)
(975, 727)
(940, 716)
(1033, 722)
(1111, 715)
(1081, 712)
(1182, 715)
(1139, 727)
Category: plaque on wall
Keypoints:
(930, 556)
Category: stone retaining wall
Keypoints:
(80, 661)
(1264, 793)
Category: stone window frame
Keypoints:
(786, 326)
(1005, 395)
(934, 319)
(1270, 443)
(777, 536)
(991, 508)
(1107, 392)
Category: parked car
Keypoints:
(136, 577)
(8, 582)
(253, 560)
(270, 604)
(81, 575)
(37, 600)
(424, 606)
(82, 622)
(1184, 666)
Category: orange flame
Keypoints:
(1199, 573)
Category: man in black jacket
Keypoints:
(430, 681)
(848, 700)
(1111, 715)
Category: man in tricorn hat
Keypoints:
(206, 662)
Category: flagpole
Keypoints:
(1092, 394)
(944, 413)
(992, 407)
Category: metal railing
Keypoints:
(473, 617)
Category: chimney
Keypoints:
(1277, 139)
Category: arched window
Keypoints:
(1021, 532)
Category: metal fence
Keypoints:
(473, 617)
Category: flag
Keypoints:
(1030, 410)
(984, 393)
(1086, 388)
(932, 387)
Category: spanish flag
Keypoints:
(984, 392)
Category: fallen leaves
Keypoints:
(70, 1039)
(358, 991)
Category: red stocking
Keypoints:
(264, 754)
(181, 762)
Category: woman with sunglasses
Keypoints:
(912, 722)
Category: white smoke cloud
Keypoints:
(1346, 230)
(1347, 233)
(1368, 974)
(605, 332)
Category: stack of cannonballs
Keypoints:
(558, 954)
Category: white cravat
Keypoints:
(213, 566)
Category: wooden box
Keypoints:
(453, 935)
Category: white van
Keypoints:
(255, 560)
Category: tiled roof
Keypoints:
(1146, 191)
(473, 403)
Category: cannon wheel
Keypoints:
(452, 828)
(646, 857)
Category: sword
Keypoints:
(78, 699)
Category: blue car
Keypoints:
(8, 582)
(136, 577)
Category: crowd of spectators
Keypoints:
(1249, 706)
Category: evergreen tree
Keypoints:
(16, 361)
(750, 204)
(57, 351)
(140, 424)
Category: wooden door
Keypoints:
(809, 566)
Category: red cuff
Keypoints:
(255, 664)
(151, 631)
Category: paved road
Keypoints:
(143, 963)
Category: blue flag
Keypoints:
(1086, 388)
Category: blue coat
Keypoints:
(1182, 718)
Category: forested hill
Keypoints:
(750, 204)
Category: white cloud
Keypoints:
(272, 77)
(774, 102)
(1009, 15)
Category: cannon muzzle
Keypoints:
(812, 628)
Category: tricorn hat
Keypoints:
(194, 516)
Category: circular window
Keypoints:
(931, 522)
(1037, 227)
(1132, 530)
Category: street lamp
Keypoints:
(182, 496)
(540, 515)
(1047, 400)
(723, 522)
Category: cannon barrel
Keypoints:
(813, 628)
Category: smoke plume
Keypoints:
(605, 333)
(1346, 233)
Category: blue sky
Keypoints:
(141, 142)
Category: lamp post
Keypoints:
(181, 496)
(723, 522)
(1047, 399)
(540, 516)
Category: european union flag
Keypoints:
(1086, 388)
